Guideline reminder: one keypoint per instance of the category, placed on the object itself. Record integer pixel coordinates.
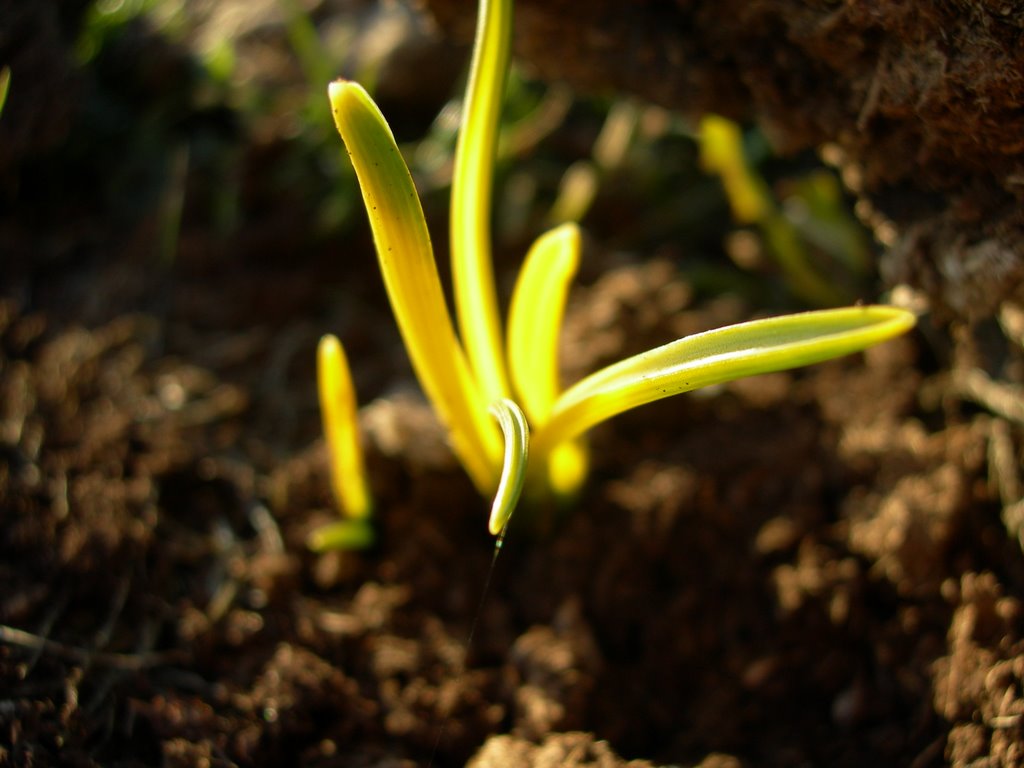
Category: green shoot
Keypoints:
(535, 317)
(580, 182)
(721, 152)
(5, 84)
(410, 276)
(344, 534)
(516, 381)
(516, 432)
(337, 393)
(472, 274)
(347, 471)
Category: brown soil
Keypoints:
(822, 567)
(804, 568)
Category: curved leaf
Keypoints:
(713, 357)
(413, 285)
(513, 472)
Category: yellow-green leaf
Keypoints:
(412, 282)
(513, 471)
(341, 430)
(725, 354)
(342, 534)
(535, 318)
(721, 152)
(476, 302)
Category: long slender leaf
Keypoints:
(412, 282)
(476, 301)
(713, 357)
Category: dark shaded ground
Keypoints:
(813, 568)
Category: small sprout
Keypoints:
(462, 377)
(341, 428)
(346, 535)
(345, 453)
(721, 152)
(5, 85)
(579, 185)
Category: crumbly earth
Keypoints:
(821, 567)
(800, 568)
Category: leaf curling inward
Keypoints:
(516, 431)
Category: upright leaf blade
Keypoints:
(476, 301)
(341, 429)
(535, 318)
(413, 285)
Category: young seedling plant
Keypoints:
(510, 424)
